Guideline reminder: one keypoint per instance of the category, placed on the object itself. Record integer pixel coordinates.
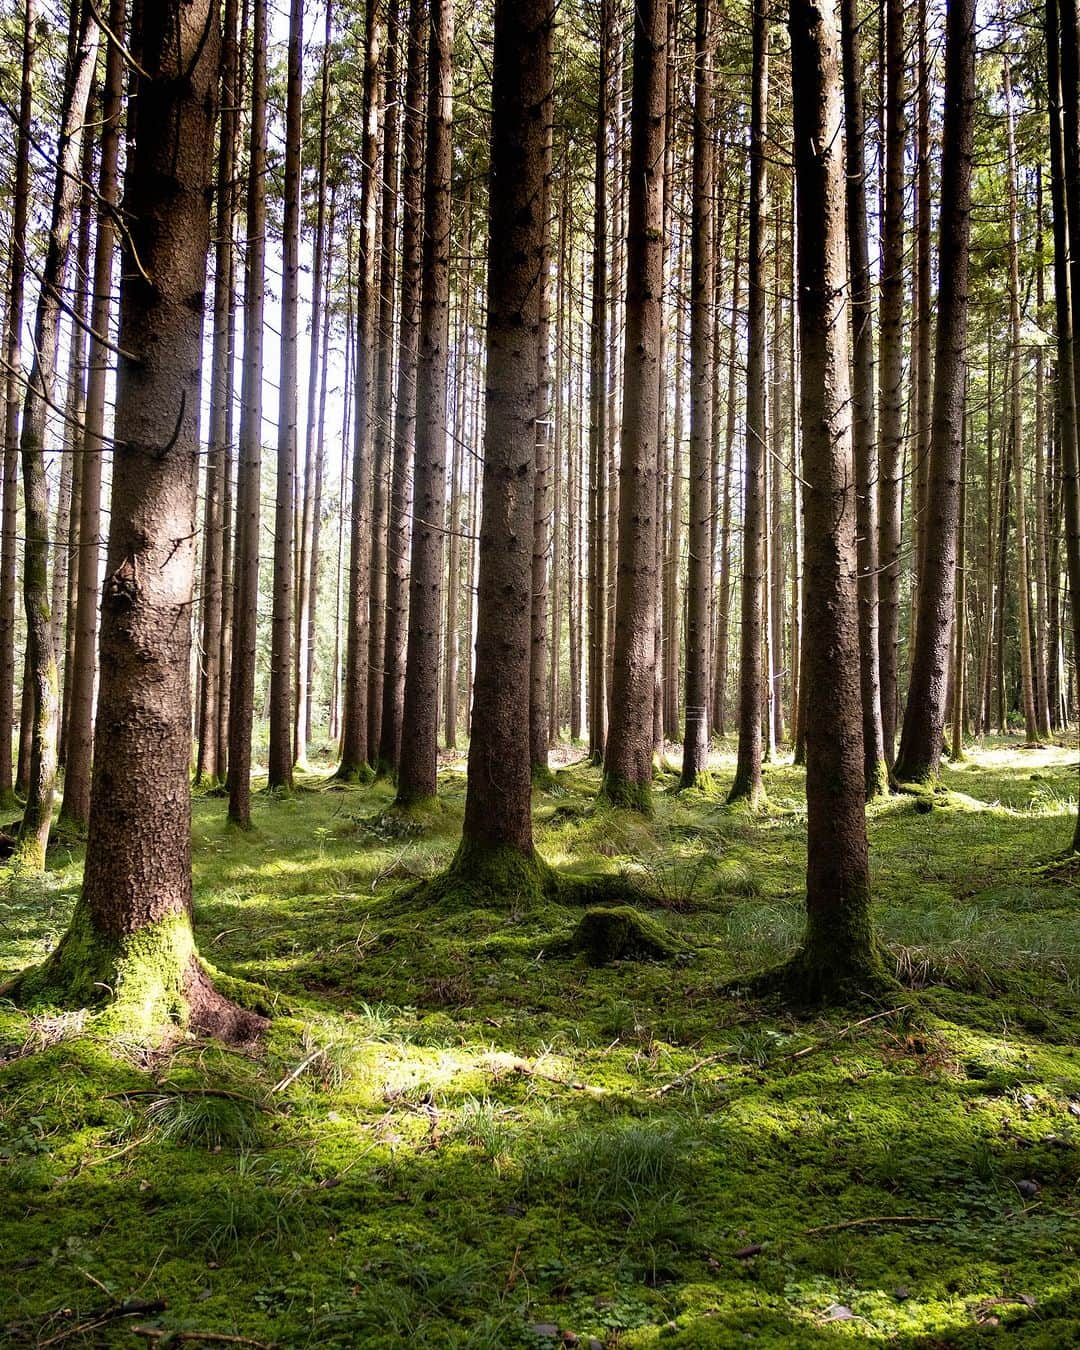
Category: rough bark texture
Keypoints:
(417, 770)
(862, 391)
(398, 536)
(924, 715)
(748, 785)
(498, 815)
(629, 751)
(131, 933)
(699, 577)
(838, 957)
(41, 651)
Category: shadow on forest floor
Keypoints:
(455, 1136)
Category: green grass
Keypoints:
(459, 1134)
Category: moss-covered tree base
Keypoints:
(543, 780)
(354, 775)
(703, 782)
(486, 876)
(621, 792)
(815, 978)
(877, 780)
(621, 933)
(141, 983)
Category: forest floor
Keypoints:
(456, 1134)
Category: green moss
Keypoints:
(487, 876)
(629, 796)
(877, 780)
(621, 933)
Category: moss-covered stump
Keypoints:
(621, 933)
(141, 983)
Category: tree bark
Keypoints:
(924, 715)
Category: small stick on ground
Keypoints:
(870, 1222)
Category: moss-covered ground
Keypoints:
(459, 1132)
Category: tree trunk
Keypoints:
(131, 932)
(839, 957)
(699, 577)
(723, 616)
(629, 751)
(749, 785)
(280, 760)
(541, 654)
(248, 487)
(354, 725)
(417, 771)
(397, 583)
(862, 391)
(891, 393)
(924, 715)
(37, 815)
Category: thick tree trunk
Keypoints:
(131, 934)
(497, 835)
(397, 582)
(839, 957)
(924, 715)
(749, 785)
(699, 578)
(41, 651)
(417, 770)
(629, 751)
(248, 487)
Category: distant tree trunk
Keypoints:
(924, 715)
(1042, 661)
(891, 394)
(749, 785)
(248, 488)
(723, 617)
(207, 764)
(37, 814)
(541, 654)
(922, 370)
(863, 428)
(1027, 673)
(497, 834)
(598, 381)
(629, 751)
(280, 760)
(839, 956)
(354, 725)
(131, 932)
(1064, 83)
(20, 209)
(383, 430)
(418, 767)
(956, 748)
(397, 584)
(699, 578)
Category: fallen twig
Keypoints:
(870, 1222)
(839, 1035)
(129, 1308)
(164, 1334)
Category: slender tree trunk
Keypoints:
(384, 384)
(699, 578)
(248, 488)
(629, 751)
(749, 785)
(891, 392)
(956, 748)
(723, 617)
(280, 761)
(924, 715)
(20, 209)
(1042, 662)
(37, 815)
(922, 370)
(863, 429)
(397, 585)
(354, 726)
(541, 654)
(839, 956)
(417, 770)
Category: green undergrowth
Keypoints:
(460, 1132)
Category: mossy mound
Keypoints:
(621, 933)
